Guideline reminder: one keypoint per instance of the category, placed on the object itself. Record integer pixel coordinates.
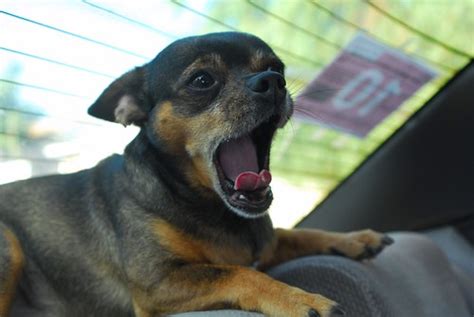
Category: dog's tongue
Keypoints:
(250, 181)
(238, 159)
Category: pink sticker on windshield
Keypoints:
(364, 84)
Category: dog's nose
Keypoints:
(268, 84)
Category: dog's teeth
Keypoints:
(242, 197)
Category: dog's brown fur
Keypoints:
(13, 264)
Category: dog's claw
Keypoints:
(337, 311)
(387, 240)
(313, 313)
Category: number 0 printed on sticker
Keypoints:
(366, 82)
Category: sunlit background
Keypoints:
(57, 56)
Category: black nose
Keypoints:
(268, 84)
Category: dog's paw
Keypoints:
(360, 245)
(335, 311)
(299, 303)
(315, 305)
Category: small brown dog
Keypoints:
(176, 223)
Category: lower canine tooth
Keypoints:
(242, 197)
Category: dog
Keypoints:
(179, 221)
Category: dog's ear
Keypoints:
(124, 100)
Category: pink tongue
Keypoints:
(250, 181)
(238, 159)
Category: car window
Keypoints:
(57, 56)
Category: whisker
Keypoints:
(314, 116)
(317, 91)
(294, 87)
(297, 88)
(308, 113)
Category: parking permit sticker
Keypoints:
(364, 84)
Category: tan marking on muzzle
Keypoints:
(190, 138)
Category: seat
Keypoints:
(413, 277)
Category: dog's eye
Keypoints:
(201, 80)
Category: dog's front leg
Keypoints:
(195, 287)
(291, 244)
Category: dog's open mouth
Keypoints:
(242, 166)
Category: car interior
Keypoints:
(410, 176)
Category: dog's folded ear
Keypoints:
(124, 101)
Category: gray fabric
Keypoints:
(411, 278)
(339, 279)
(466, 282)
(461, 255)
(418, 279)
(458, 250)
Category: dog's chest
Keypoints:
(195, 250)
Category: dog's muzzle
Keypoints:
(242, 162)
